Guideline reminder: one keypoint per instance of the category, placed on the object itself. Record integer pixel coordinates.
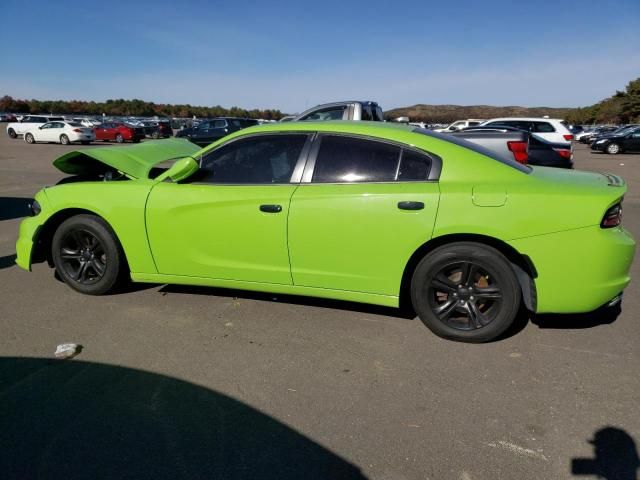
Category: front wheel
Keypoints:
(87, 255)
(29, 138)
(12, 133)
(466, 291)
(613, 149)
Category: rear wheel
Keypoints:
(119, 138)
(64, 140)
(155, 135)
(29, 138)
(613, 149)
(465, 291)
(87, 255)
(12, 133)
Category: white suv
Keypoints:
(551, 129)
(28, 122)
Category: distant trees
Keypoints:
(135, 107)
(622, 107)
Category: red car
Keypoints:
(119, 132)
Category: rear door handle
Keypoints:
(271, 208)
(410, 205)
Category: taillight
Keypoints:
(568, 137)
(519, 150)
(564, 153)
(613, 217)
(77, 130)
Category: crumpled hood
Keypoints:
(134, 160)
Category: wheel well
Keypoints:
(521, 263)
(42, 243)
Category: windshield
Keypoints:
(475, 147)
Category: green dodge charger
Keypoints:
(364, 211)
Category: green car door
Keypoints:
(229, 221)
(363, 208)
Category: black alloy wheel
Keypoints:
(87, 255)
(84, 258)
(466, 291)
(464, 296)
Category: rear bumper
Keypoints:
(579, 270)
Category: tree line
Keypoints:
(623, 107)
(134, 108)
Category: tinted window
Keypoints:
(367, 114)
(414, 166)
(243, 123)
(543, 127)
(332, 113)
(378, 114)
(473, 124)
(258, 159)
(51, 119)
(219, 124)
(38, 120)
(345, 159)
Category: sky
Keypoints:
(292, 55)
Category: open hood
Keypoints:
(135, 160)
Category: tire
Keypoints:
(613, 149)
(476, 309)
(64, 140)
(119, 138)
(155, 135)
(29, 138)
(12, 133)
(87, 255)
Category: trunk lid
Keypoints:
(135, 161)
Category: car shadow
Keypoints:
(602, 316)
(85, 420)
(404, 312)
(615, 456)
(14, 207)
(7, 261)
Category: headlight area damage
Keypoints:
(135, 161)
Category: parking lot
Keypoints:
(322, 389)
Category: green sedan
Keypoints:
(366, 212)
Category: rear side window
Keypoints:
(346, 159)
(219, 124)
(260, 159)
(542, 127)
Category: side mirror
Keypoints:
(40, 127)
(181, 169)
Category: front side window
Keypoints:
(219, 124)
(261, 159)
(367, 113)
(346, 159)
(46, 125)
(331, 113)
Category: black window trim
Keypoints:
(307, 176)
(296, 174)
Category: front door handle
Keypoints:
(410, 205)
(271, 208)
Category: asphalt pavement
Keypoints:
(182, 382)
